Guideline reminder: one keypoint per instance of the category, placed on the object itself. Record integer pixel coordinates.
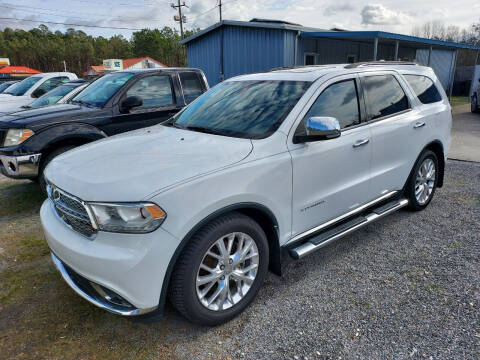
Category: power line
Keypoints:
(69, 24)
(25, 9)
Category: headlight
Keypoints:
(17, 136)
(128, 217)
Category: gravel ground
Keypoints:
(405, 287)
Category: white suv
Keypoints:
(282, 162)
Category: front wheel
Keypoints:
(41, 177)
(474, 104)
(221, 270)
(423, 181)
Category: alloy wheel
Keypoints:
(227, 271)
(425, 181)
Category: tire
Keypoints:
(427, 183)
(46, 161)
(184, 293)
(474, 104)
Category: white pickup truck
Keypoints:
(27, 90)
(282, 162)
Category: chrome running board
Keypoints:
(342, 217)
(328, 236)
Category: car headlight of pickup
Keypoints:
(17, 136)
(136, 218)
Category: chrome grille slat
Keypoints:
(72, 211)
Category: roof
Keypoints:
(261, 23)
(312, 73)
(368, 35)
(132, 61)
(307, 32)
(18, 70)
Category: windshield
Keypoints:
(5, 86)
(52, 97)
(246, 109)
(23, 86)
(100, 91)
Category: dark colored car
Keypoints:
(115, 103)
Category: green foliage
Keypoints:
(44, 50)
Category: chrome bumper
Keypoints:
(24, 166)
(97, 294)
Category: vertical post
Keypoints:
(429, 55)
(220, 8)
(375, 49)
(453, 75)
(473, 83)
(181, 19)
(65, 65)
(396, 50)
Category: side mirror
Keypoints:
(39, 92)
(319, 128)
(131, 102)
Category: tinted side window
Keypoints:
(340, 101)
(192, 86)
(154, 91)
(52, 83)
(385, 95)
(424, 88)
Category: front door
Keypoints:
(331, 177)
(158, 106)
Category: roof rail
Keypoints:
(373, 63)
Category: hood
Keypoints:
(131, 166)
(13, 103)
(39, 117)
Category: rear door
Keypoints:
(331, 177)
(159, 104)
(394, 127)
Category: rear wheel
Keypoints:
(423, 182)
(46, 161)
(221, 270)
(474, 104)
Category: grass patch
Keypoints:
(20, 197)
(459, 100)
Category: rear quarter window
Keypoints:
(424, 88)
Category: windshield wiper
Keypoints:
(204, 130)
(81, 102)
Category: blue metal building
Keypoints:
(229, 48)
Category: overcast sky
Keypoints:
(388, 15)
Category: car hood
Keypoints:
(40, 117)
(13, 103)
(131, 166)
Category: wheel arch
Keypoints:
(260, 213)
(437, 147)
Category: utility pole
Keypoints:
(180, 18)
(220, 8)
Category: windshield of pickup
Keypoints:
(100, 91)
(246, 109)
(23, 86)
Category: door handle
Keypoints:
(419, 124)
(361, 142)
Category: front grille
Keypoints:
(71, 210)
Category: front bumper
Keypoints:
(131, 267)
(20, 167)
